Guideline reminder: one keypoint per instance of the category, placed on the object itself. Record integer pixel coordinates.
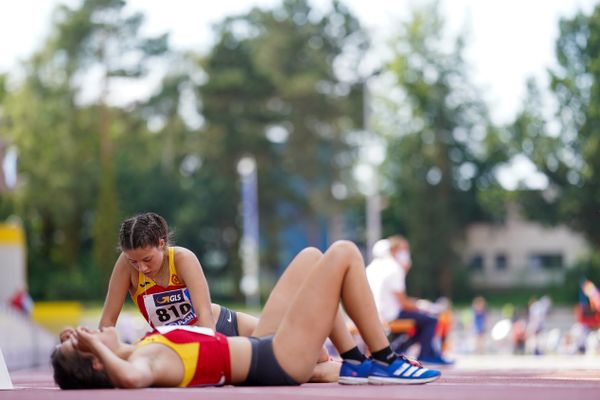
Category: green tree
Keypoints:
(67, 193)
(6, 203)
(442, 150)
(57, 168)
(99, 34)
(565, 148)
(234, 104)
(272, 91)
(171, 162)
(304, 55)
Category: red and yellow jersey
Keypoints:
(169, 305)
(204, 353)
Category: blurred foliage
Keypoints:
(271, 91)
(285, 85)
(442, 151)
(86, 161)
(587, 268)
(99, 35)
(68, 197)
(565, 147)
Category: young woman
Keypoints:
(301, 312)
(169, 288)
(165, 282)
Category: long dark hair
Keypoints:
(74, 371)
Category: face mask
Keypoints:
(403, 257)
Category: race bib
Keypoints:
(169, 308)
(189, 328)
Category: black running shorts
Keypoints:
(227, 322)
(264, 368)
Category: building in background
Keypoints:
(519, 252)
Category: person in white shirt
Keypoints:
(387, 278)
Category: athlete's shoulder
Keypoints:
(123, 270)
(183, 254)
(122, 259)
(123, 266)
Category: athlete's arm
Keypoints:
(122, 373)
(118, 286)
(406, 302)
(190, 272)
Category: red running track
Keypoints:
(455, 384)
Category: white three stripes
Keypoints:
(406, 370)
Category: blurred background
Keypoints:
(472, 129)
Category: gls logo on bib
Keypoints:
(166, 298)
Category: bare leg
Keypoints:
(313, 313)
(286, 290)
(326, 372)
(246, 323)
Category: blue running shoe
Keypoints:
(401, 372)
(355, 373)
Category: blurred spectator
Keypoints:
(588, 309)
(387, 278)
(519, 331)
(22, 302)
(592, 295)
(479, 323)
(538, 311)
(587, 312)
(444, 325)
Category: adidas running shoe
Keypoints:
(355, 373)
(402, 371)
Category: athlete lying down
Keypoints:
(301, 312)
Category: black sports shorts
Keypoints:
(264, 368)
(227, 322)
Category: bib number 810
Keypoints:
(175, 311)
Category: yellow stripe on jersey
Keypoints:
(173, 279)
(188, 353)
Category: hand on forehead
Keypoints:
(77, 338)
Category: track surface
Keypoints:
(490, 378)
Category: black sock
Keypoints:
(353, 354)
(385, 355)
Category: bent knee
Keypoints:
(311, 253)
(345, 247)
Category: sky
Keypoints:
(509, 40)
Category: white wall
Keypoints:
(519, 239)
(12, 260)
